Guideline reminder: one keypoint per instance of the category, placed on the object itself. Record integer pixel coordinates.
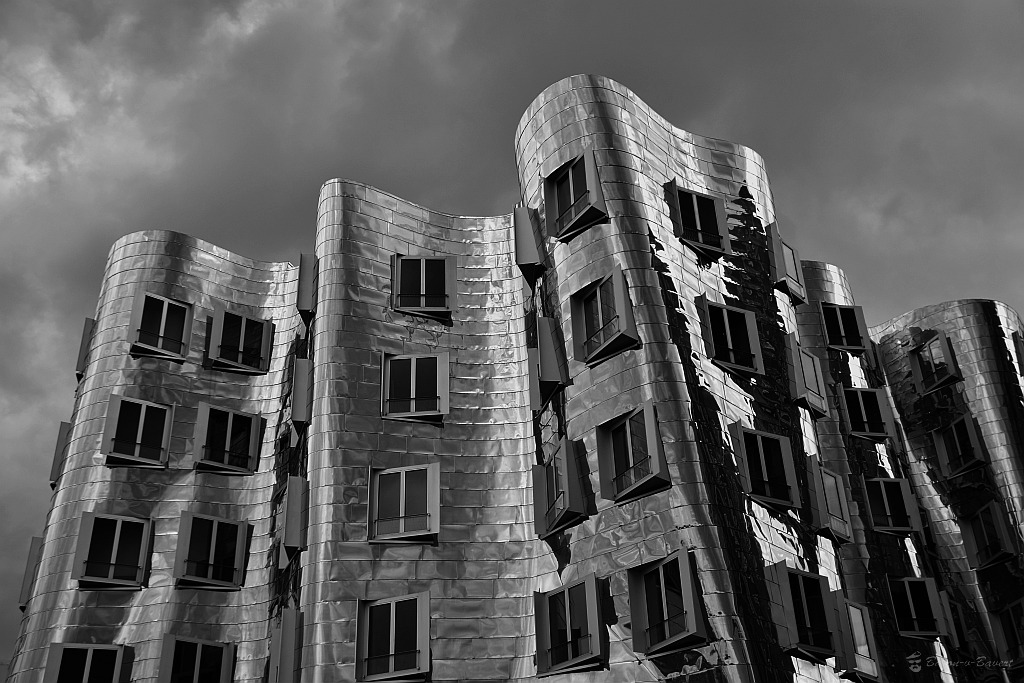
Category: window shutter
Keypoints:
(85, 527)
(787, 464)
(59, 451)
(83, 348)
(135, 322)
(227, 663)
(304, 300)
(283, 640)
(781, 602)
(594, 183)
(434, 497)
(674, 212)
(659, 468)
(296, 496)
(443, 373)
(527, 254)
(200, 432)
(579, 330)
(395, 258)
(256, 430)
(627, 323)
(451, 282)
(606, 463)
(911, 504)
(215, 335)
(35, 553)
(110, 423)
(540, 500)
(862, 326)
(165, 452)
(723, 225)
(755, 341)
(739, 449)
(552, 365)
(638, 608)
(241, 541)
(266, 345)
(705, 326)
(692, 595)
(302, 391)
(543, 635)
(571, 477)
(596, 628)
(830, 610)
(181, 551)
(533, 371)
(948, 625)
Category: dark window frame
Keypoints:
(846, 329)
(594, 638)
(646, 473)
(121, 664)
(587, 207)
(799, 632)
(886, 519)
(919, 619)
(421, 308)
(831, 517)
(689, 620)
(169, 658)
(864, 427)
(615, 334)
(240, 361)
(926, 380)
(786, 270)
(690, 211)
(851, 660)
(184, 556)
(558, 492)
(764, 490)
(983, 551)
(959, 446)
(725, 355)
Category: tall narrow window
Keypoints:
(602, 319)
(160, 327)
(573, 197)
(934, 364)
(557, 494)
(112, 551)
(240, 344)
(1010, 627)
(831, 510)
(845, 327)
(189, 660)
(766, 466)
(857, 654)
(988, 537)
(211, 552)
(136, 433)
(570, 635)
(226, 441)
(916, 605)
(416, 387)
(804, 612)
(730, 336)
(786, 269)
(405, 504)
(699, 220)
(892, 505)
(806, 381)
(393, 638)
(82, 663)
(425, 285)
(666, 606)
(959, 447)
(631, 456)
(866, 413)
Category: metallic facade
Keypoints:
(520, 288)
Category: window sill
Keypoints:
(709, 251)
(780, 504)
(818, 406)
(406, 538)
(940, 384)
(139, 350)
(231, 366)
(100, 584)
(441, 315)
(208, 467)
(434, 417)
(680, 642)
(401, 676)
(877, 437)
(811, 653)
(612, 347)
(590, 662)
(119, 460)
(200, 583)
(735, 368)
(586, 218)
(649, 485)
(565, 519)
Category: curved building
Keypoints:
(622, 433)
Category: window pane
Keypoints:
(152, 317)
(775, 469)
(224, 552)
(72, 665)
(129, 550)
(812, 380)
(210, 659)
(657, 628)
(719, 333)
(608, 313)
(741, 351)
(434, 283)
(231, 338)
(416, 500)
(183, 666)
(860, 631)
(674, 606)
(410, 283)
(638, 439)
(152, 433)
(856, 415)
(789, 257)
(405, 635)
(579, 179)
(389, 502)
(101, 547)
(818, 632)
(252, 350)
(872, 412)
(127, 433)
(378, 639)
(217, 435)
(851, 332)
(103, 666)
(689, 216)
(898, 514)
(426, 383)
(399, 385)
(592, 320)
(578, 625)
(924, 618)
(174, 328)
(197, 562)
(238, 447)
(755, 466)
(558, 628)
(620, 456)
(833, 495)
(708, 221)
(563, 198)
(832, 325)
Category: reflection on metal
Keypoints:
(485, 564)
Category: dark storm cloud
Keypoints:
(892, 134)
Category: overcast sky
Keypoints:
(893, 135)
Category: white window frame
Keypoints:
(693, 632)
(597, 653)
(856, 662)
(55, 656)
(845, 341)
(831, 518)
(85, 541)
(788, 277)
(972, 527)
(711, 346)
(655, 479)
(557, 510)
(170, 643)
(422, 668)
(675, 196)
(216, 338)
(974, 443)
(591, 210)
(944, 346)
(139, 348)
(200, 446)
(739, 445)
(888, 425)
(451, 282)
(901, 586)
(621, 332)
(442, 382)
(241, 558)
(807, 383)
(110, 430)
(784, 613)
(885, 485)
(433, 500)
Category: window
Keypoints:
(988, 537)
(730, 336)
(786, 269)
(845, 327)
(1010, 629)
(63, 438)
(698, 220)
(959, 447)
(284, 646)
(831, 511)
(136, 433)
(602, 319)
(891, 505)
(290, 519)
(666, 605)
(189, 660)
(211, 552)
(393, 637)
(915, 602)
(28, 579)
(424, 285)
(416, 387)
(226, 441)
(934, 364)
(160, 327)
(631, 456)
(80, 663)
(857, 654)
(240, 344)
(405, 504)
(528, 257)
(112, 551)
(806, 382)
(866, 413)
(570, 635)
(766, 466)
(557, 492)
(803, 612)
(573, 199)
